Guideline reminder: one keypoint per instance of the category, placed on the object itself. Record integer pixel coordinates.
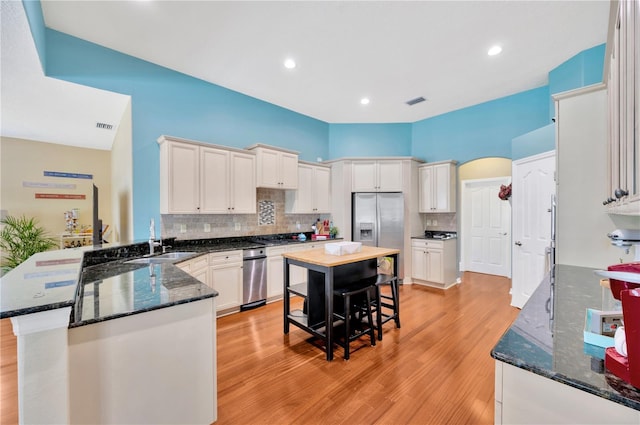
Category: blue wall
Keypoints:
(537, 141)
(33, 10)
(167, 102)
(368, 140)
(484, 130)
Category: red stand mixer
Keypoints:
(624, 282)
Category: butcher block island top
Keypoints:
(320, 258)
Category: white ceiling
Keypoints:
(389, 51)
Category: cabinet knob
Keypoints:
(619, 193)
(518, 243)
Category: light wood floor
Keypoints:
(436, 369)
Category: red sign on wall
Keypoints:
(59, 196)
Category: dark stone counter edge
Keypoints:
(142, 310)
(36, 309)
(134, 250)
(609, 395)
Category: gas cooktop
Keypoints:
(436, 234)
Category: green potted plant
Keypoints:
(333, 232)
(20, 238)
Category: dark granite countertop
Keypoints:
(77, 277)
(118, 289)
(552, 345)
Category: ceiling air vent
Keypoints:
(104, 126)
(416, 100)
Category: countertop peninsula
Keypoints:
(78, 277)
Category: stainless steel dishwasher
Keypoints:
(254, 278)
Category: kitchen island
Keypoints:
(545, 373)
(76, 364)
(326, 271)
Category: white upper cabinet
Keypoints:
(276, 168)
(623, 90)
(313, 193)
(179, 178)
(196, 178)
(376, 176)
(437, 187)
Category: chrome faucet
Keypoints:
(152, 237)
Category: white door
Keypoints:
(486, 227)
(533, 186)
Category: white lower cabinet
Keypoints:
(197, 267)
(225, 276)
(298, 274)
(275, 271)
(523, 397)
(275, 268)
(434, 262)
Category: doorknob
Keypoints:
(518, 243)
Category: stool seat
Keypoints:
(386, 307)
(356, 298)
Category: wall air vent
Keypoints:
(104, 126)
(416, 100)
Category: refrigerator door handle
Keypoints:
(377, 226)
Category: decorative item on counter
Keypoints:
(333, 232)
(342, 248)
(302, 237)
(600, 327)
(321, 230)
(505, 192)
(71, 219)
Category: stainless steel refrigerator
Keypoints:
(378, 220)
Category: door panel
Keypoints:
(486, 224)
(533, 186)
(215, 185)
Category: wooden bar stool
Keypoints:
(390, 303)
(356, 298)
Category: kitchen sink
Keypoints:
(168, 257)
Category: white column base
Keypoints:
(43, 366)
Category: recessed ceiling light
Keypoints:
(364, 101)
(289, 64)
(494, 50)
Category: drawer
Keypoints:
(194, 264)
(198, 263)
(306, 246)
(273, 251)
(225, 257)
(427, 243)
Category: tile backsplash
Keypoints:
(270, 219)
(445, 222)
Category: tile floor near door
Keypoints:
(436, 369)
